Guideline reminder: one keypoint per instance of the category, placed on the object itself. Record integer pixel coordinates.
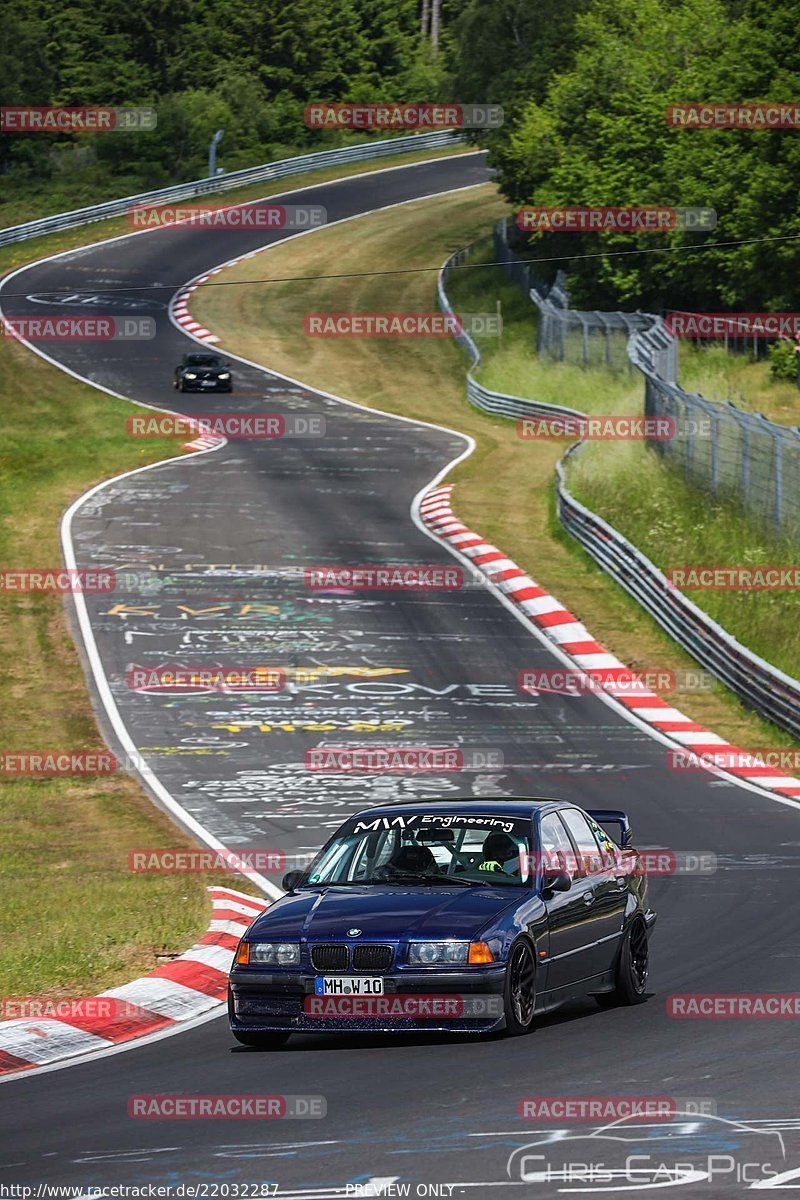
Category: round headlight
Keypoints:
(428, 953)
(262, 952)
(287, 955)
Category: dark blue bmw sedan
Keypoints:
(462, 916)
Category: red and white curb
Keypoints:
(180, 310)
(178, 991)
(574, 640)
(180, 306)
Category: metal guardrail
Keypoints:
(760, 685)
(496, 403)
(231, 179)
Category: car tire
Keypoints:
(632, 969)
(262, 1041)
(519, 992)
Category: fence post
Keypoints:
(777, 442)
(715, 419)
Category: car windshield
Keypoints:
(203, 360)
(451, 850)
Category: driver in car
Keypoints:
(500, 853)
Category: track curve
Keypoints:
(222, 537)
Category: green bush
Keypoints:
(783, 360)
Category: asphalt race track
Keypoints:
(213, 548)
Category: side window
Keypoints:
(557, 850)
(588, 848)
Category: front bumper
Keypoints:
(273, 1001)
(215, 385)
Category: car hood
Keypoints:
(384, 912)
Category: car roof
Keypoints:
(519, 807)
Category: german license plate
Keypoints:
(348, 985)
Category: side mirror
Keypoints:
(291, 879)
(556, 881)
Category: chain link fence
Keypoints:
(718, 447)
(588, 339)
(723, 449)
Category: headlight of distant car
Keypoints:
(273, 954)
(224, 375)
(189, 375)
(427, 954)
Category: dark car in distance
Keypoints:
(458, 916)
(203, 372)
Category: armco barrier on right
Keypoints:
(759, 684)
(498, 403)
(756, 682)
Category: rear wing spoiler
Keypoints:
(613, 816)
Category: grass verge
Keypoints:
(73, 919)
(504, 489)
